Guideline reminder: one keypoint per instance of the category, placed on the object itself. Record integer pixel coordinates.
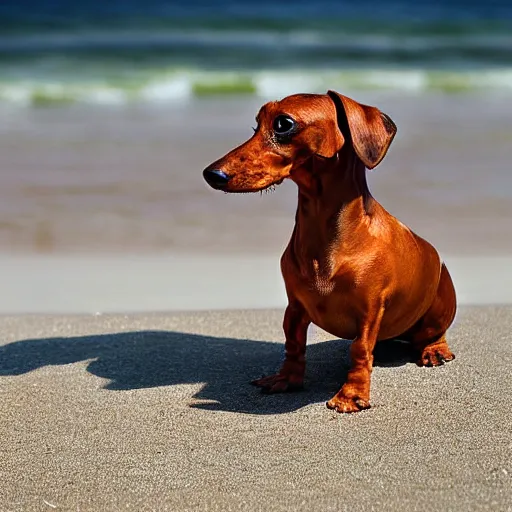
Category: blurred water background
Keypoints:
(127, 51)
(109, 111)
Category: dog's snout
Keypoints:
(216, 178)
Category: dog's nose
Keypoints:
(216, 178)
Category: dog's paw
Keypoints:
(279, 383)
(435, 355)
(345, 404)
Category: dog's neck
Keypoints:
(334, 201)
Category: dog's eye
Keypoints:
(284, 125)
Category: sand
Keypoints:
(104, 211)
(154, 412)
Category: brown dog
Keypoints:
(350, 267)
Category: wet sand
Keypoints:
(92, 179)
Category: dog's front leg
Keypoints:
(291, 375)
(355, 393)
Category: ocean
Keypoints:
(156, 51)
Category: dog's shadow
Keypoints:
(224, 366)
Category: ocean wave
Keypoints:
(183, 85)
(253, 50)
(323, 39)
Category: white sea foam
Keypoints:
(18, 94)
(105, 96)
(283, 84)
(175, 85)
(167, 89)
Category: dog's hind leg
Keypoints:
(428, 334)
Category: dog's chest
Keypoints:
(308, 275)
(323, 291)
(317, 276)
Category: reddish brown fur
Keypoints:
(350, 267)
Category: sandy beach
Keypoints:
(154, 412)
(136, 303)
(104, 211)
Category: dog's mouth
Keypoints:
(267, 189)
(271, 188)
(238, 183)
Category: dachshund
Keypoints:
(350, 267)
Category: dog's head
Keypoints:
(291, 131)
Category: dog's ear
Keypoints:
(325, 139)
(371, 130)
